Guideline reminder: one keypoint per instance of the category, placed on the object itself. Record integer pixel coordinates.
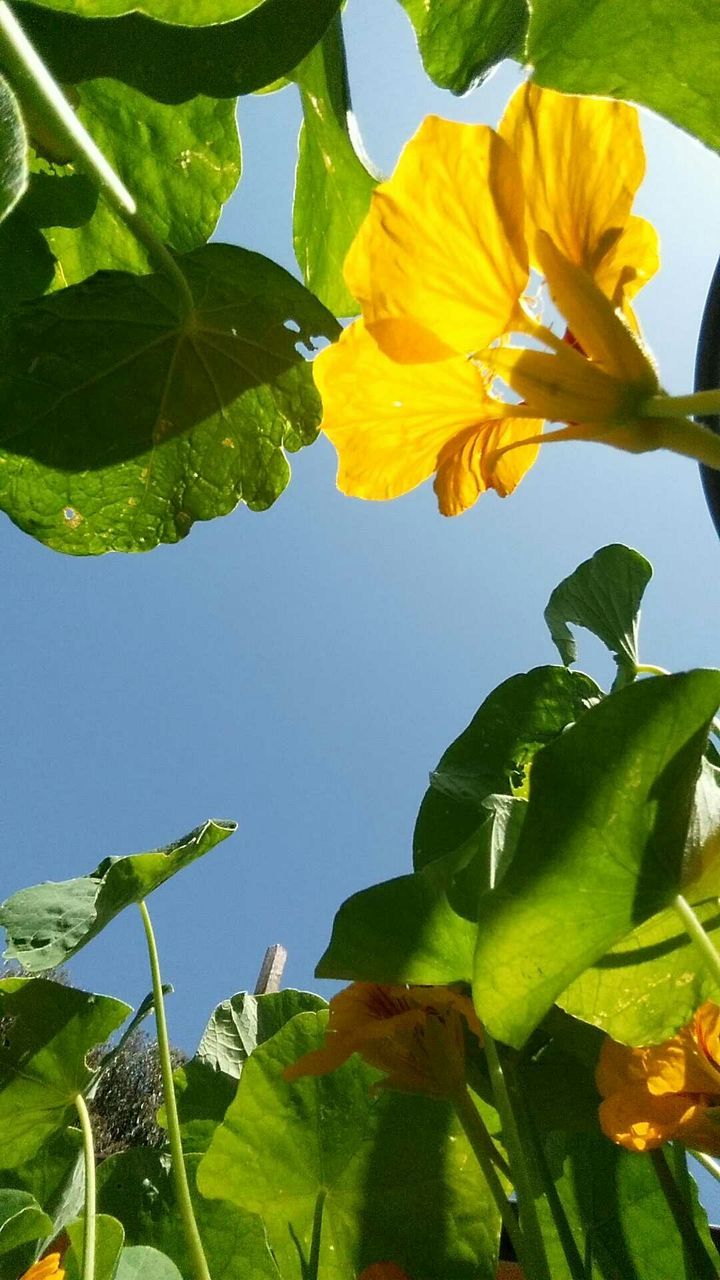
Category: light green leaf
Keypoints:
(136, 1187)
(333, 183)
(143, 1263)
(108, 1247)
(55, 1181)
(327, 1164)
(49, 1031)
(494, 753)
(173, 63)
(50, 922)
(126, 420)
(181, 164)
(462, 40)
(190, 12)
(21, 1219)
(601, 850)
(603, 594)
(13, 151)
(643, 50)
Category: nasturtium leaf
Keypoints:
(136, 1186)
(108, 1247)
(50, 922)
(461, 40)
(333, 183)
(48, 1029)
(193, 13)
(361, 1177)
(494, 752)
(13, 151)
(143, 1263)
(27, 267)
(643, 50)
(125, 420)
(601, 849)
(181, 164)
(173, 63)
(55, 1180)
(21, 1219)
(603, 595)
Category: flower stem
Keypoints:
(695, 931)
(699, 402)
(707, 1163)
(36, 87)
(484, 1151)
(182, 1189)
(88, 1257)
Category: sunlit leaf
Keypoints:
(601, 850)
(603, 594)
(122, 420)
(143, 1263)
(461, 40)
(49, 1030)
(13, 151)
(50, 922)
(108, 1247)
(192, 12)
(333, 183)
(644, 50)
(21, 1219)
(328, 1165)
(172, 63)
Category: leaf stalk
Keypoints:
(89, 1232)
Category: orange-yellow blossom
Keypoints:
(48, 1268)
(414, 1034)
(441, 269)
(665, 1092)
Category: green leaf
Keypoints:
(493, 754)
(136, 1187)
(604, 595)
(55, 1181)
(142, 1263)
(108, 1247)
(173, 63)
(360, 1178)
(643, 50)
(333, 183)
(181, 164)
(198, 13)
(601, 850)
(50, 922)
(462, 40)
(21, 1219)
(13, 151)
(126, 420)
(49, 1030)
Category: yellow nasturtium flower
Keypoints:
(441, 269)
(48, 1268)
(414, 1034)
(666, 1092)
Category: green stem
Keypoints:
(699, 402)
(698, 935)
(707, 1163)
(35, 86)
(313, 1266)
(484, 1151)
(534, 1260)
(88, 1258)
(649, 669)
(182, 1189)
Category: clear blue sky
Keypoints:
(302, 670)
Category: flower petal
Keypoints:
(629, 264)
(443, 243)
(466, 469)
(640, 1121)
(582, 161)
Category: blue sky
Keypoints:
(302, 670)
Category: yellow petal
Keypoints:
(48, 1268)
(465, 465)
(640, 1121)
(443, 243)
(582, 161)
(391, 423)
(629, 264)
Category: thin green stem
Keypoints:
(484, 1151)
(313, 1266)
(36, 87)
(649, 669)
(534, 1260)
(182, 1189)
(699, 402)
(695, 931)
(88, 1258)
(707, 1163)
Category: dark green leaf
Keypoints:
(13, 151)
(461, 40)
(55, 1181)
(136, 1187)
(324, 1161)
(142, 1263)
(601, 850)
(494, 752)
(50, 922)
(604, 595)
(193, 12)
(108, 1247)
(126, 420)
(173, 63)
(49, 1031)
(647, 51)
(21, 1219)
(333, 183)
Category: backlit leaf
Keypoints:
(13, 151)
(21, 1219)
(191, 12)
(461, 40)
(108, 1247)
(142, 1263)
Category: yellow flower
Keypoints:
(441, 268)
(48, 1268)
(414, 1034)
(665, 1092)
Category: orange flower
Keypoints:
(48, 1268)
(665, 1092)
(414, 1034)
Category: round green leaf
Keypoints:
(142, 1263)
(108, 1247)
